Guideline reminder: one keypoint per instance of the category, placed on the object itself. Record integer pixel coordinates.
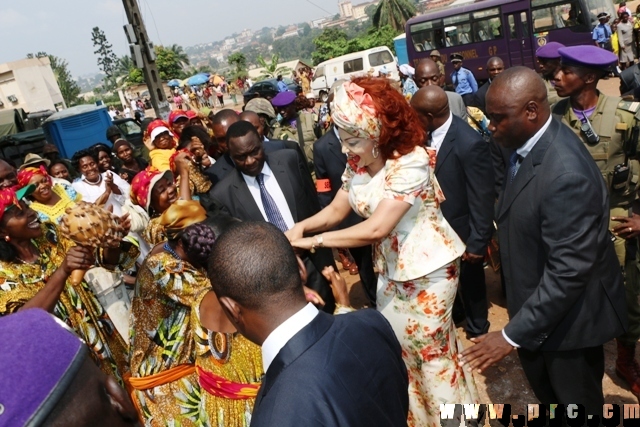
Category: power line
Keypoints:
(324, 10)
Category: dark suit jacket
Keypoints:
(234, 196)
(465, 173)
(479, 98)
(344, 370)
(330, 162)
(217, 171)
(563, 281)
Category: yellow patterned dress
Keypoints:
(229, 370)
(161, 340)
(77, 307)
(154, 232)
(68, 197)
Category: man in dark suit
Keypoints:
(495, 66)
(465, 174)
(565, 294)
(330, 162)
(320, 370)
(223, 165)
(273, 188)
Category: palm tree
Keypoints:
(271, 70)
(394, 13)
(180, 54)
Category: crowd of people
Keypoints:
(235, 312)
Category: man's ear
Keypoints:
(232, 309)
(302, 270)
(120, 400)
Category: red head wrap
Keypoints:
(157, 124)
(25, 175)
(143, 183)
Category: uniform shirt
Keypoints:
(602, 33)
(464, 81)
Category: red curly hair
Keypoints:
(400, 128)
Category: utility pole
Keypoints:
(144, 57)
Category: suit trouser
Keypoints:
(473, 295)
(626, 252)
(564, 377)
(363, 256)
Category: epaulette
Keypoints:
(631, 106)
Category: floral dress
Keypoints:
(419, 268)
(77, 306)
(229, 370)
(161, 338)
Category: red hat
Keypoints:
(175, 115)
(143, 183)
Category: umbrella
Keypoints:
(215, 79)
(198, 79)
(174, 83)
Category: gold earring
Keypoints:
(375, 152)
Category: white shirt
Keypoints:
(523, 151)
(91, 192)
(281, 335)
(273, 188)
(437, 136)
(127, 112)
(112, 114)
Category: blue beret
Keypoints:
(283, 98)
(587, 56)
(549, 50)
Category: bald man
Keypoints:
(494, 67)
(565, 295)
(428, 74)
(465, 173)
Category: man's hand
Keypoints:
(472, 258)
(628, 228)
(489, 349)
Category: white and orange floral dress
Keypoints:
(419, 265)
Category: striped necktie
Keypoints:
(274, 216)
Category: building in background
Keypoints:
(357, 11)
(29, 84)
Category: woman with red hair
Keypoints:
(390, 181)
(49, 200)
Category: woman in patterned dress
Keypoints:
(49, 200)
(163, 378)
(35, 265)
(390, 181)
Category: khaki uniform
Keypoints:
(552, 94)
(613, 120)
(306, 122)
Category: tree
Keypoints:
(69, 89)
(271, 70)
(394, 13)
(239, 62)
(107, 60)
(331, 43)
(180, 54)
(168, 63)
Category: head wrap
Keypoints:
(180, 215)
(143, 183)
(353, 111)
(158, 124)
(31, 160)
(25, 175)
(32, 385)
(10, 197)
(192, 114)
(119, 143)
(407, 70)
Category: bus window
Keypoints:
(598, 6)
(380, 58)
(551, 14)
(425, 38)
(353, 65)
(512, 28)
(457, 30)
(525, 24)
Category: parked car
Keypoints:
(269, 88)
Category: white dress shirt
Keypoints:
(437, 136)
(523, 151)
(91, 192)
(281, 335)
(273, 188)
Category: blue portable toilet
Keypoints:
(77, 128)
(400, 45)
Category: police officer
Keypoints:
(464, 82)
(606, 126)
(602, 32)
(292, 124)
(549, 61)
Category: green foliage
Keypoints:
(180, 54)
(135, 76)
(271, 70)
(68, 86)
(107, 60)
(394, 13)
(168, 63)
(333, 42)
(239, 62)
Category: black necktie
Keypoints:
(514, 165)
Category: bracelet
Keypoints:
(320, 240)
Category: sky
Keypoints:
(63, 28)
